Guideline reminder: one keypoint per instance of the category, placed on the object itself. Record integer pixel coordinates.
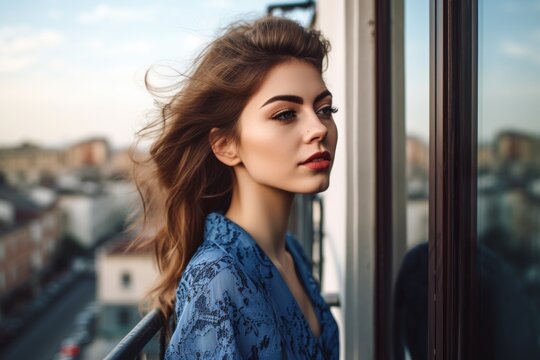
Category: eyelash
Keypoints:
(291, 114)
(330, 110)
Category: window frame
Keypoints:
(452, 297)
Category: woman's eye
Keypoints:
(285, 115)
(327, 111)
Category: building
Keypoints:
(124, 276)
(121, 163)
(486, 158)
(29, 164)
(29, 235)
(417, 157)
(517, 148)
(92, 207)
(90, 214)
(90, 153)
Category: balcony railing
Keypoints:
(130, 347)
(132, 344)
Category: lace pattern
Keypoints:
(232, 303)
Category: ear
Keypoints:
(224, 148)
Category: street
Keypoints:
(42, 339)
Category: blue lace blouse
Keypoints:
(232, 303)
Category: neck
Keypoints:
(264, 213)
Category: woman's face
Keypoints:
(287, 134)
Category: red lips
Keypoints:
(318, 161)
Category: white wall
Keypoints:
(77, 218)
(350, 201)
(334, 197)
(110, 268)
(124, 196)
(89, 218)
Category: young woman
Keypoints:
(250, 127)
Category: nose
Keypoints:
(315, 129)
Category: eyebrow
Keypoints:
(296, 99)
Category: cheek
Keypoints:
(332, 137)
(270, 151)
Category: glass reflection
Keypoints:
(410, 289)
(508, 221)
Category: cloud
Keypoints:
(521, 51)
(20, 47)
(20, 40)
(218, 4)
(105, 12)
(514, 49)
(191, 42)
(136, 47)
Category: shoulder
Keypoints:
(212, 290)
(220, 312)
(208, 266)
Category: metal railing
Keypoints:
(131, 346)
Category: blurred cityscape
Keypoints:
(508, 205)
(71, 287)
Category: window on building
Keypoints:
(125, 280)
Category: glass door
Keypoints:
(508, 193)
(410, 291)
(473, 290)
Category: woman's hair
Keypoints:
(182, 181)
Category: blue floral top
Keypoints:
(232, 303)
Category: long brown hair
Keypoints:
(182, 181)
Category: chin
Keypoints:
(314, 188)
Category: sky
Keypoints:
(508, 67)
(417, 68)
(75, 69)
